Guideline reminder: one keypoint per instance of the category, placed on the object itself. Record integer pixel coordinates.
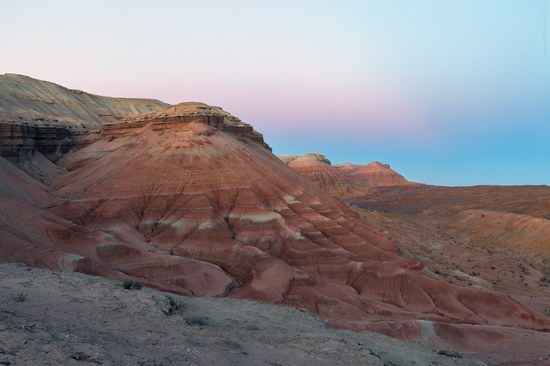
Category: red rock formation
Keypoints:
(190, 200)
(373, 174)
(184, 113)
(172, 190)
(318, 169)
(343, 179)
(529, 235)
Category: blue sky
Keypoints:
(447, 92)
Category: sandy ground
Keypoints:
(74, 319)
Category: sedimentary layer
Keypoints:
(37, 115)
(42, 103)
(372, 174)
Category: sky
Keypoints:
(450, 92)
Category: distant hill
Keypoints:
(343, 179)
(37, 102)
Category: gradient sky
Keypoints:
(446, 92)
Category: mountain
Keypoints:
(42, 103)
(318, 169)
(372, 174)
(343, 179)
(173, 190)
(189, 199)
(38, 115)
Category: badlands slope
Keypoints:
(489, 237)
(190, 199)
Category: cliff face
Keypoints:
(18, 140)
(185, 113)
(43, 116)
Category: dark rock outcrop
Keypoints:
(20, 140)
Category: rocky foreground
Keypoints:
(51, 318)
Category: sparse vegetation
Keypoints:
(81, 356)
(196, 320)
(449, 354)
(131, 285)
(173, 307)
(20, 297)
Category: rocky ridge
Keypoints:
(186, 112)
(37, 115)
(372, 174)
(343, 179)
(318, 169)
(24, 100)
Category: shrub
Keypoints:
(20, 297)
(196, 320)
(131, 285)
(81, 356)
(173, 307)
(450, 354)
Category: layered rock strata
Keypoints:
(189, 195)
(372, 174)
(37, 115)
(318, 169)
